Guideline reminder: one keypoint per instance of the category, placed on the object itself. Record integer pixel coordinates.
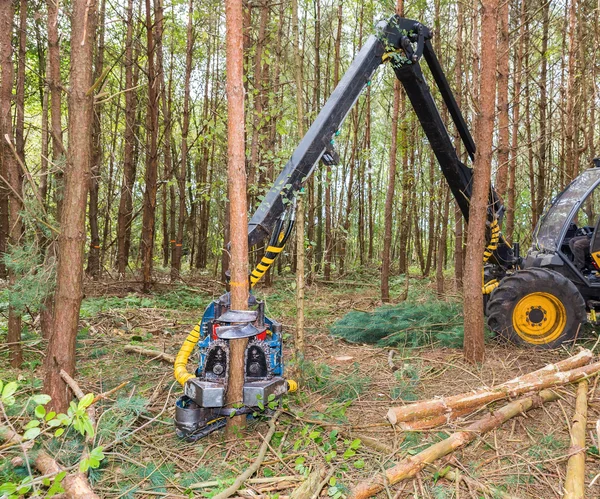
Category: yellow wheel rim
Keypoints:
(539, 318)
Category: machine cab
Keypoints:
(567, 238)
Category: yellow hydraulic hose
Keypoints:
(489, 250)
(180, 367)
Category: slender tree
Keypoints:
(236, 173)
(129, 163)
(150, 177)
(474, 348)
(69, 284)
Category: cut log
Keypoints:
(154, 354)
(409, 467)
(76, 485)
(575, 481)
(551, 375)
(434, 421)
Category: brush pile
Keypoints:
(407, 325)
(534, 390)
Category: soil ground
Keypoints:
(345, 392)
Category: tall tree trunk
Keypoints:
(474, 348)
(93, 264)
(237, 200)
(176, 260)
(299, 336)
(149, 209)
(54, 83)
(516, 99)
(10, 169)
(503, 135)
(69, 282)
(543, 105)
(129, 165)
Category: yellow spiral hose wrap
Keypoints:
(180, 366)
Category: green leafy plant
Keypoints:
(47, 426)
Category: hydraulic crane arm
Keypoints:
(403, 42)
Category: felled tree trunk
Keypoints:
(76, 485)
(575, 481)
(410, 466)
(550, 375)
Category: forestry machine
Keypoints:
(539, 300)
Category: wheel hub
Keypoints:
(539, 318)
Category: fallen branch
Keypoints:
(78, 392)
(566, 371)
(253, 481)
(76, 485)
(253, 468)
(410, 466)
(309, 485)
(154, 354)
(453, 476)
(575, 480)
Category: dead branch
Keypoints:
(575, 480)
(410, 466)
(76, 485)
(253, 468)
(567, 371)
(307, 488)
(154, 354)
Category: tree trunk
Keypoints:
(129, 164)
(474, 348)
(10, 169)
(237, 201)
(69, 281)
(54, 83)
(503, 135)
(176, 260)
(149, 209)
(93, 264)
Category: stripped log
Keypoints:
(409, 467)
(434, 421)
(566, 371)
(575, 481)
(76, 485)
(154, 354)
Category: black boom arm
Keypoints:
(402, 42)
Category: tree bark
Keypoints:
(503, 135)
(10, 169)
(474, 348)
(562, 372)
(176, 260)
(69, 281)
(150, 177)
(93, 264)
(237, 201)
(575, 479)
(55, 85)
(129, 164)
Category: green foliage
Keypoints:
(47, 427)
(406, 325)
(178, 299)
(407, 380)
(319, 377)
(34, 279)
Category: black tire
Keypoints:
(537, 308)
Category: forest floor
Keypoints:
(345, 392)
